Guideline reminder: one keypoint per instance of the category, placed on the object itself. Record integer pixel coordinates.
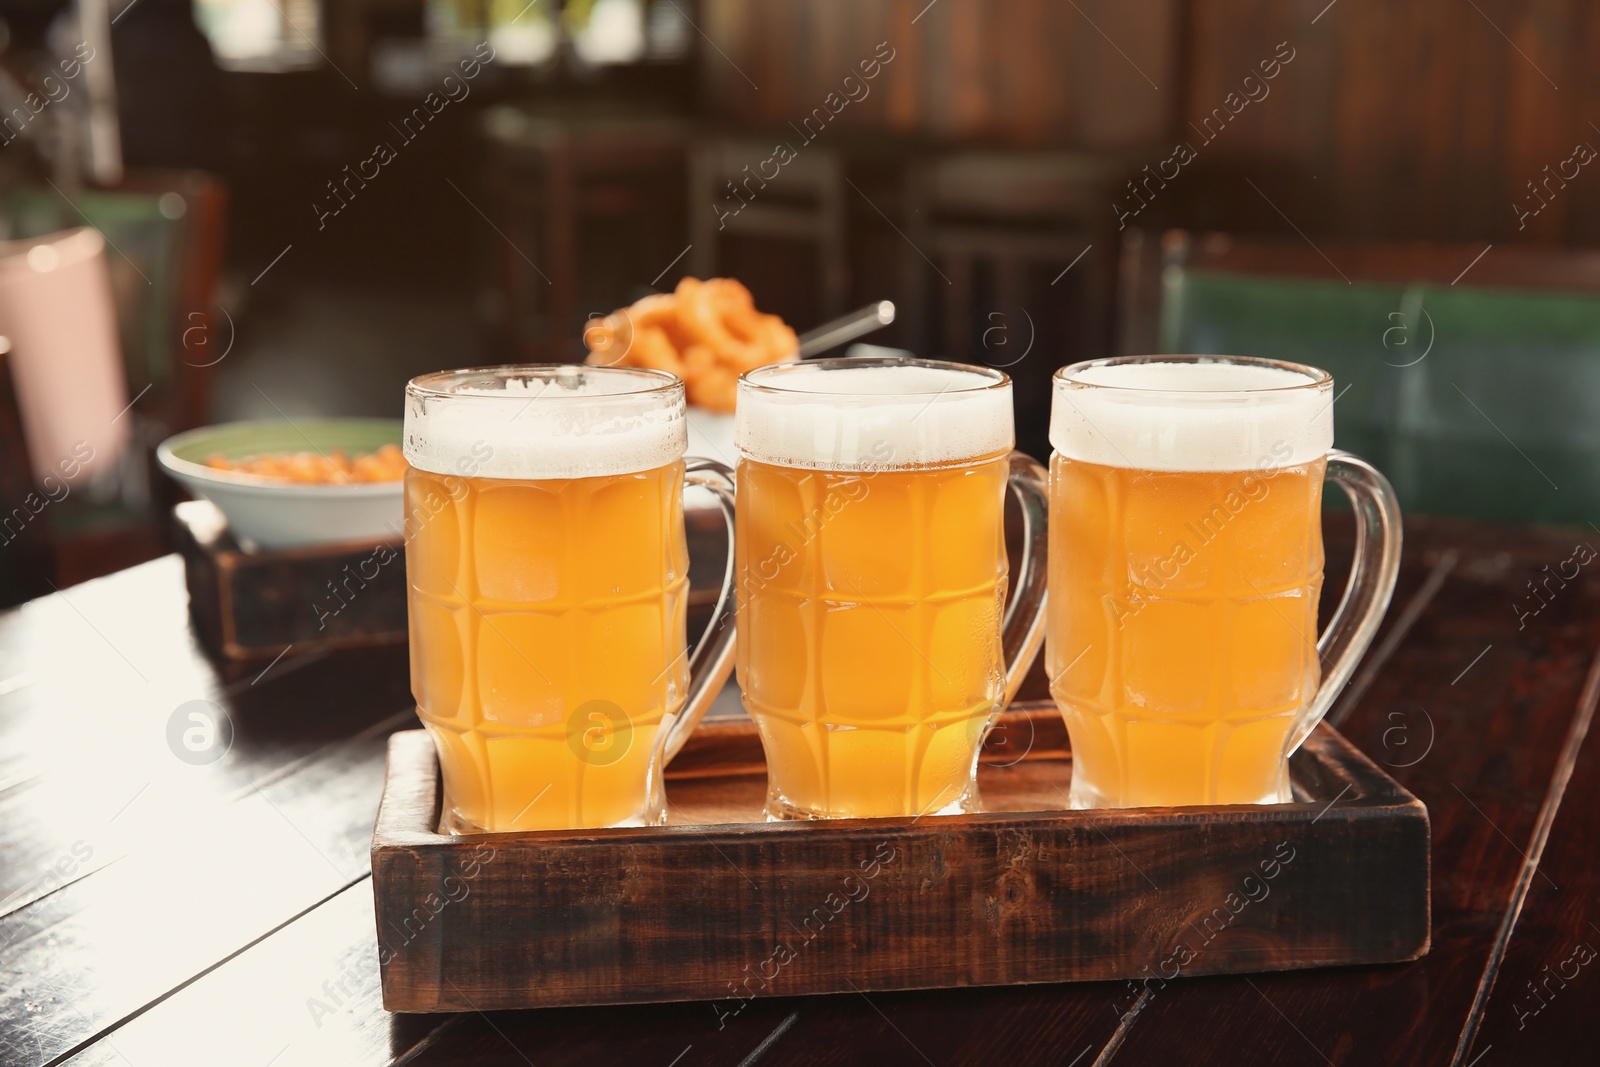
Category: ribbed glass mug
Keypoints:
(548, 585)
(1185, 570)
(876, 646)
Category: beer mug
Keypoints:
(547, 577)
(1185, 568)
(875, 643)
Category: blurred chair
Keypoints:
(59, 322)
(1471, 378)
(61, 399)
(165, 234)
(1007, 250)
(27, 557)
(731, 196)
(562, 182)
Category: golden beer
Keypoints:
(872, 582)
(1183, 623)
(871, 631)
(1185, 573)
(547, 614)
(547, 638)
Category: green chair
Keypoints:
(1502, 420)
(1479, 399)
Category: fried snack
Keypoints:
(706, 332)
(387, 464)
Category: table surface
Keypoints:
(155, 912)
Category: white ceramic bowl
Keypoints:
(272, 514)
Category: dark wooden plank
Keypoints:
(264, 998)
(1478, 740)
(1024, 893)
(1535, 998)
(952, 1028)
(306, 994)
(220, 875)
(1054, 1024)
(253, 605)
(93, 677)
(1417, 120)
(272, 998)
(668, 1035)
(92, 792)
(1030, 72)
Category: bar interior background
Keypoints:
(1009, 174)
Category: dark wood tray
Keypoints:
(720, 906)
(255, 605)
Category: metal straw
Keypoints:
(858, 323)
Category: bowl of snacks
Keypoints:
(707, 333)
(285, 485)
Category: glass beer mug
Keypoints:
(547, 578)
(1185, 569)
(875, 643)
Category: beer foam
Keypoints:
(1192, 416)
(849, 415)
(544, 422)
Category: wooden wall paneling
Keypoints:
(1417, 120)
(900, 92)
(1585, 224)
(1279, 142)
(1024, 73)
(1535, 131)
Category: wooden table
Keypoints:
(157, 913)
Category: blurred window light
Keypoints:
(606, 32)
(668, 33)
(460, 19)
(262, 34)
(523, 34)
(404, 67)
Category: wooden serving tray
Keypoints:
(721, 906)
(254, 605)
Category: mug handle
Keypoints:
(1022, 631)
(712, 659)
(1366, 595)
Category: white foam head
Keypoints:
(872, 414)
(1192, 413)
(544, 421)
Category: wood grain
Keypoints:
(252, 605)
(1026, 892)
(92, 678)
(1417, 120)
(1497, 738)
(1500, 731)
(128, 871)
(103, 948)
(1423, 120)
(1545, 951)
(1089, 74)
